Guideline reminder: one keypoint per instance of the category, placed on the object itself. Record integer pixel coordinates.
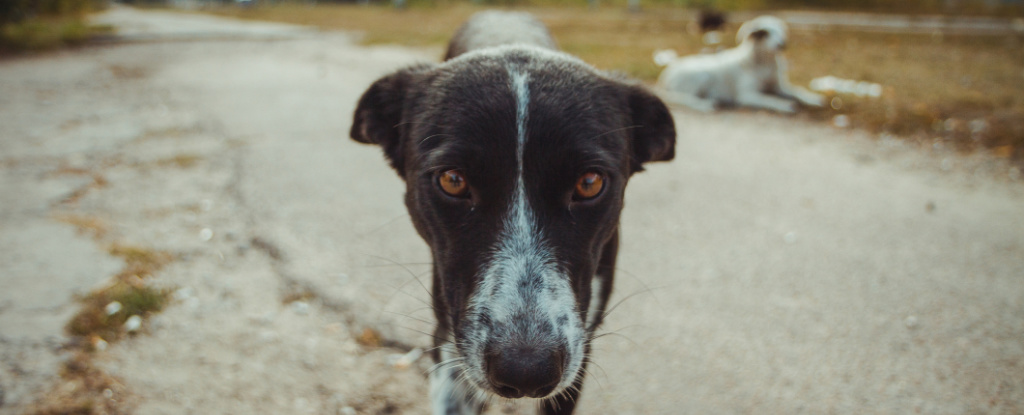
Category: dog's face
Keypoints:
(515, 160)
(768, 32)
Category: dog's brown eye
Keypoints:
(589, 186)
(453, 183)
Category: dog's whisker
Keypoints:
(592, 376)
(617, 334)
(397, 265)
(603, 372)
(399, 290)
(616, 130)
(404, 267)
(382, 226)
(607, 312)
(418, 123)
(435, 135)
(410, 317)
(654, 294)
(447, 364)
(419, 331)
(415, 277)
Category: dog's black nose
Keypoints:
(516, 372)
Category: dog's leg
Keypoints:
(789, 90)
(449, 394)
(760, 100)
(691, 101)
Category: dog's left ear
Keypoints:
(654, 132)
(379, 114)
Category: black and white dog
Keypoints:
(516, 158)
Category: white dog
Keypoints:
(753, 74)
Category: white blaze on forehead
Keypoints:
(522, 290)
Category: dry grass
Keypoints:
(47, 33)
(966, 92)
(935, 86)
(182, 161)
(139, 262)
(85, 225)
(84, 390)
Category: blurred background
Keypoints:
(950, 69)
(185, 227)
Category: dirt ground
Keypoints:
(775, 267)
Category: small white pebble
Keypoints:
(348, 410)
(910, 322)
(841, 121)
(978, 125)
(789, 237)
(133, 323)
(107, 393)
(300, 307)
(184, 293)
(99, 344)
(664, 57)
(206, 234)
(406, 360)
(875, 91)
(112, 308)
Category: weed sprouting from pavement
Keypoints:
(106, 316)
(100, 321)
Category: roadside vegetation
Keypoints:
(37, 25)
(107, 314)
(963, 92)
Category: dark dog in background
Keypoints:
(515, 158)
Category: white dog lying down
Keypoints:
(753, 74)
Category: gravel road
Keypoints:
(776, 266)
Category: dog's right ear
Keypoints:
(759, 34)
(379, 114)
(654, 131)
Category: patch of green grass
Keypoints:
(93, 322)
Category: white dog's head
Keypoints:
(767, 32)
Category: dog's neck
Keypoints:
(757, 55)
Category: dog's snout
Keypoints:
(525, 371)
